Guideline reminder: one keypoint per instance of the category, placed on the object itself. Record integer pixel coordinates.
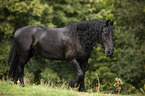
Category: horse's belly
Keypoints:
(50, 52)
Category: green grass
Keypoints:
(9, 89)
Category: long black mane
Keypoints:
(88, 32)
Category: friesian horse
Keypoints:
(72, 43)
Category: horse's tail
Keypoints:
(13, 60)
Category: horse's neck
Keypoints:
(88, 39)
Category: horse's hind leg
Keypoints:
(15, 78)
(21, 68)
(17, 74)
(22, 61)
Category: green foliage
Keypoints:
(143, 89)
(129, 42)
(4, 50)
(98, 65)
(133, 20)
(49, 75)
(128, 65)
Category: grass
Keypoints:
(9, 89)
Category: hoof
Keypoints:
(12, 82)
(22, 85)
(73, 83)
(82, 90)
(15, 82)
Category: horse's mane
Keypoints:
(88, 32)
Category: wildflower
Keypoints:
(114, 84)
(116, 78)
(118, 83)
(121, 82)
(18, 82)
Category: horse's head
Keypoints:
(106, 38)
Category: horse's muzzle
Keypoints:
(109, 52)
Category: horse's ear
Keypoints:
(107, 22)
(111, 23)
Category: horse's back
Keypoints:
(24, 31)
(52, 43)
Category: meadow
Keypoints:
(9, 89)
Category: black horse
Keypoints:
(73, 43)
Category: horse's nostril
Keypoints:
(109, 51)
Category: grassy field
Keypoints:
(9, 89)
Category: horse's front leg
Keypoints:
(83, 67)
(80, 73)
